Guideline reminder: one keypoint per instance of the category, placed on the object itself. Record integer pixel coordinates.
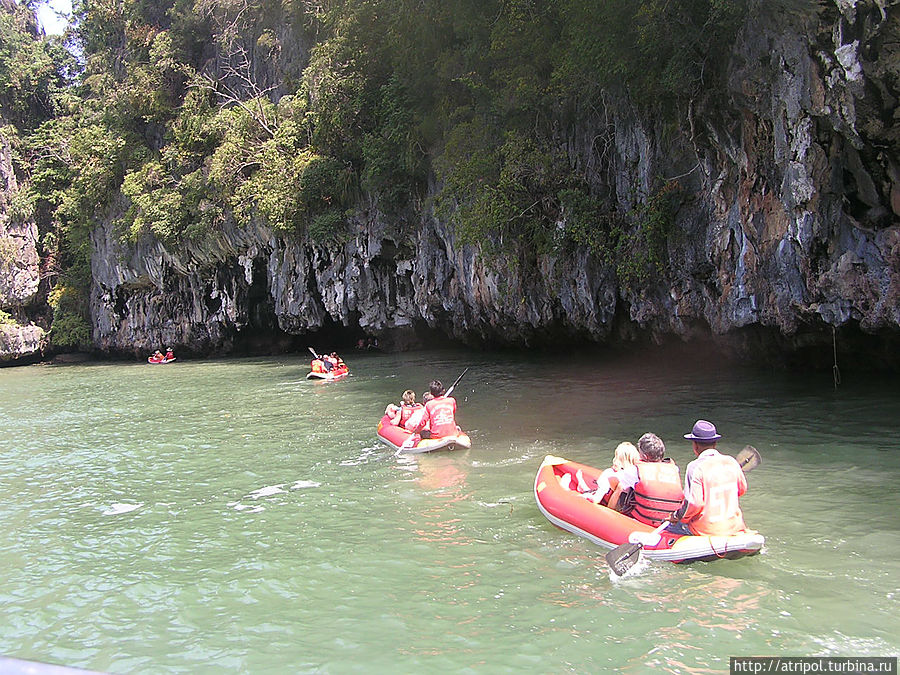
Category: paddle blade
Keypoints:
(622, 558)
(749, 458)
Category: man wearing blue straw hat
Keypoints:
(712, 485)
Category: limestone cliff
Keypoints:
(790, 229)
(20, 338)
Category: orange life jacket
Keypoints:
(657, 493)
(418, 420)
(441, 415)
(406, 411)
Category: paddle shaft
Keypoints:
(663, 525)
(453, 386)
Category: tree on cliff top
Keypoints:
(31, 69)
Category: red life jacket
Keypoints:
(406, 411)
(657, 493)
(441, 413)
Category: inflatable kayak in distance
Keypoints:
(317, 371)
(334, 374)
(559, 499)
(403, 441)
(150, 359)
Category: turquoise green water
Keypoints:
(231, 516)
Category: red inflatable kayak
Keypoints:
(560, 500)
(401, 440)
(150, 359)
(317, 371)
(336, 374)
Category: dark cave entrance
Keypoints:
(263, 336)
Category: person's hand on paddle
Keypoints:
(678, 514)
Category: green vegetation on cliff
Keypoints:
(183, 114)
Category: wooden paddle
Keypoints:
(622, 558)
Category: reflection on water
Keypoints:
(442, 476)
(231, 515)
(443, 471)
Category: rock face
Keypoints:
(19, 269)
(793, 226)
(21, 344)
(792, 229)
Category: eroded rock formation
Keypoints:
(792, 228)
(20, 338)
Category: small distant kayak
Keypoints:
(401, 440)
(559, 499)
(150, 359)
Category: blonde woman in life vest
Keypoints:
(626, 455)
(402, 414)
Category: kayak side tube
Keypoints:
(331, 376)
